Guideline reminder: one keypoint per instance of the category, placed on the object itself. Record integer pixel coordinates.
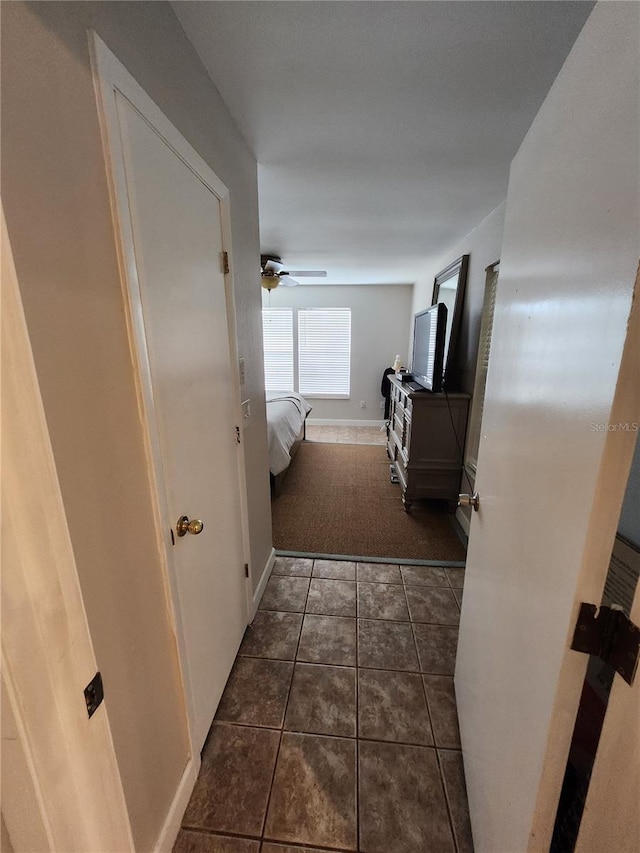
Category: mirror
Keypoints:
(449, 287)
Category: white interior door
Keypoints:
(535, 552)
(551, 474)
(182, 317)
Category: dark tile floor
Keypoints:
(338, 728)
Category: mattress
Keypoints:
(286, 413)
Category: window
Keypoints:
(277, 327)
(308, 350)
(482, 366)
(324, 351)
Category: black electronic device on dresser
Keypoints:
(429, 334)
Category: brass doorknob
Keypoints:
(185, 526)
(470, 500)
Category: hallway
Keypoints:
(337, 729)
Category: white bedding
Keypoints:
(285, 415)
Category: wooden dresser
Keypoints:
(422, 442)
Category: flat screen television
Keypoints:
(429, 333)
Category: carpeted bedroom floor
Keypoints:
(338, 499)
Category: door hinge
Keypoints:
(607, 633)
(94, 694)
(246, 570)
(237, 435)
(225, 263)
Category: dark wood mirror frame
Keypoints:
(458, 270)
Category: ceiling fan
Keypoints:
(273, 273)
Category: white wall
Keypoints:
(483, 245)
(380, 324)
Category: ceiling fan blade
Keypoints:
(309, 273)
(288, 281)
(273, 267)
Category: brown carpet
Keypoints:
(338, 499)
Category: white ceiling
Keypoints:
(383, 130)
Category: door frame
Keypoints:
(110, 77)
(51, 748)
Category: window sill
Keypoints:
(325, 396)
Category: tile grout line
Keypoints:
(284, 717)
(305, 847)
(435, 747)
(444, 585)
(337, 737)
(435, 744)
(424, 688)
(316, 734)
(360, 558)
(350, 666)
(446, 801)
(362, 619)
(286, 708)
(217, 833)
(406, 598)
(356, 768)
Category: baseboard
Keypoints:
(341, 423)
(266, 572)
(171, 825)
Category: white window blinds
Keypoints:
(482, 367)
(277, 326)
(324, 351)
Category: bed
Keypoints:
(286, 418)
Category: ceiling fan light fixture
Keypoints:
(269, 282)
